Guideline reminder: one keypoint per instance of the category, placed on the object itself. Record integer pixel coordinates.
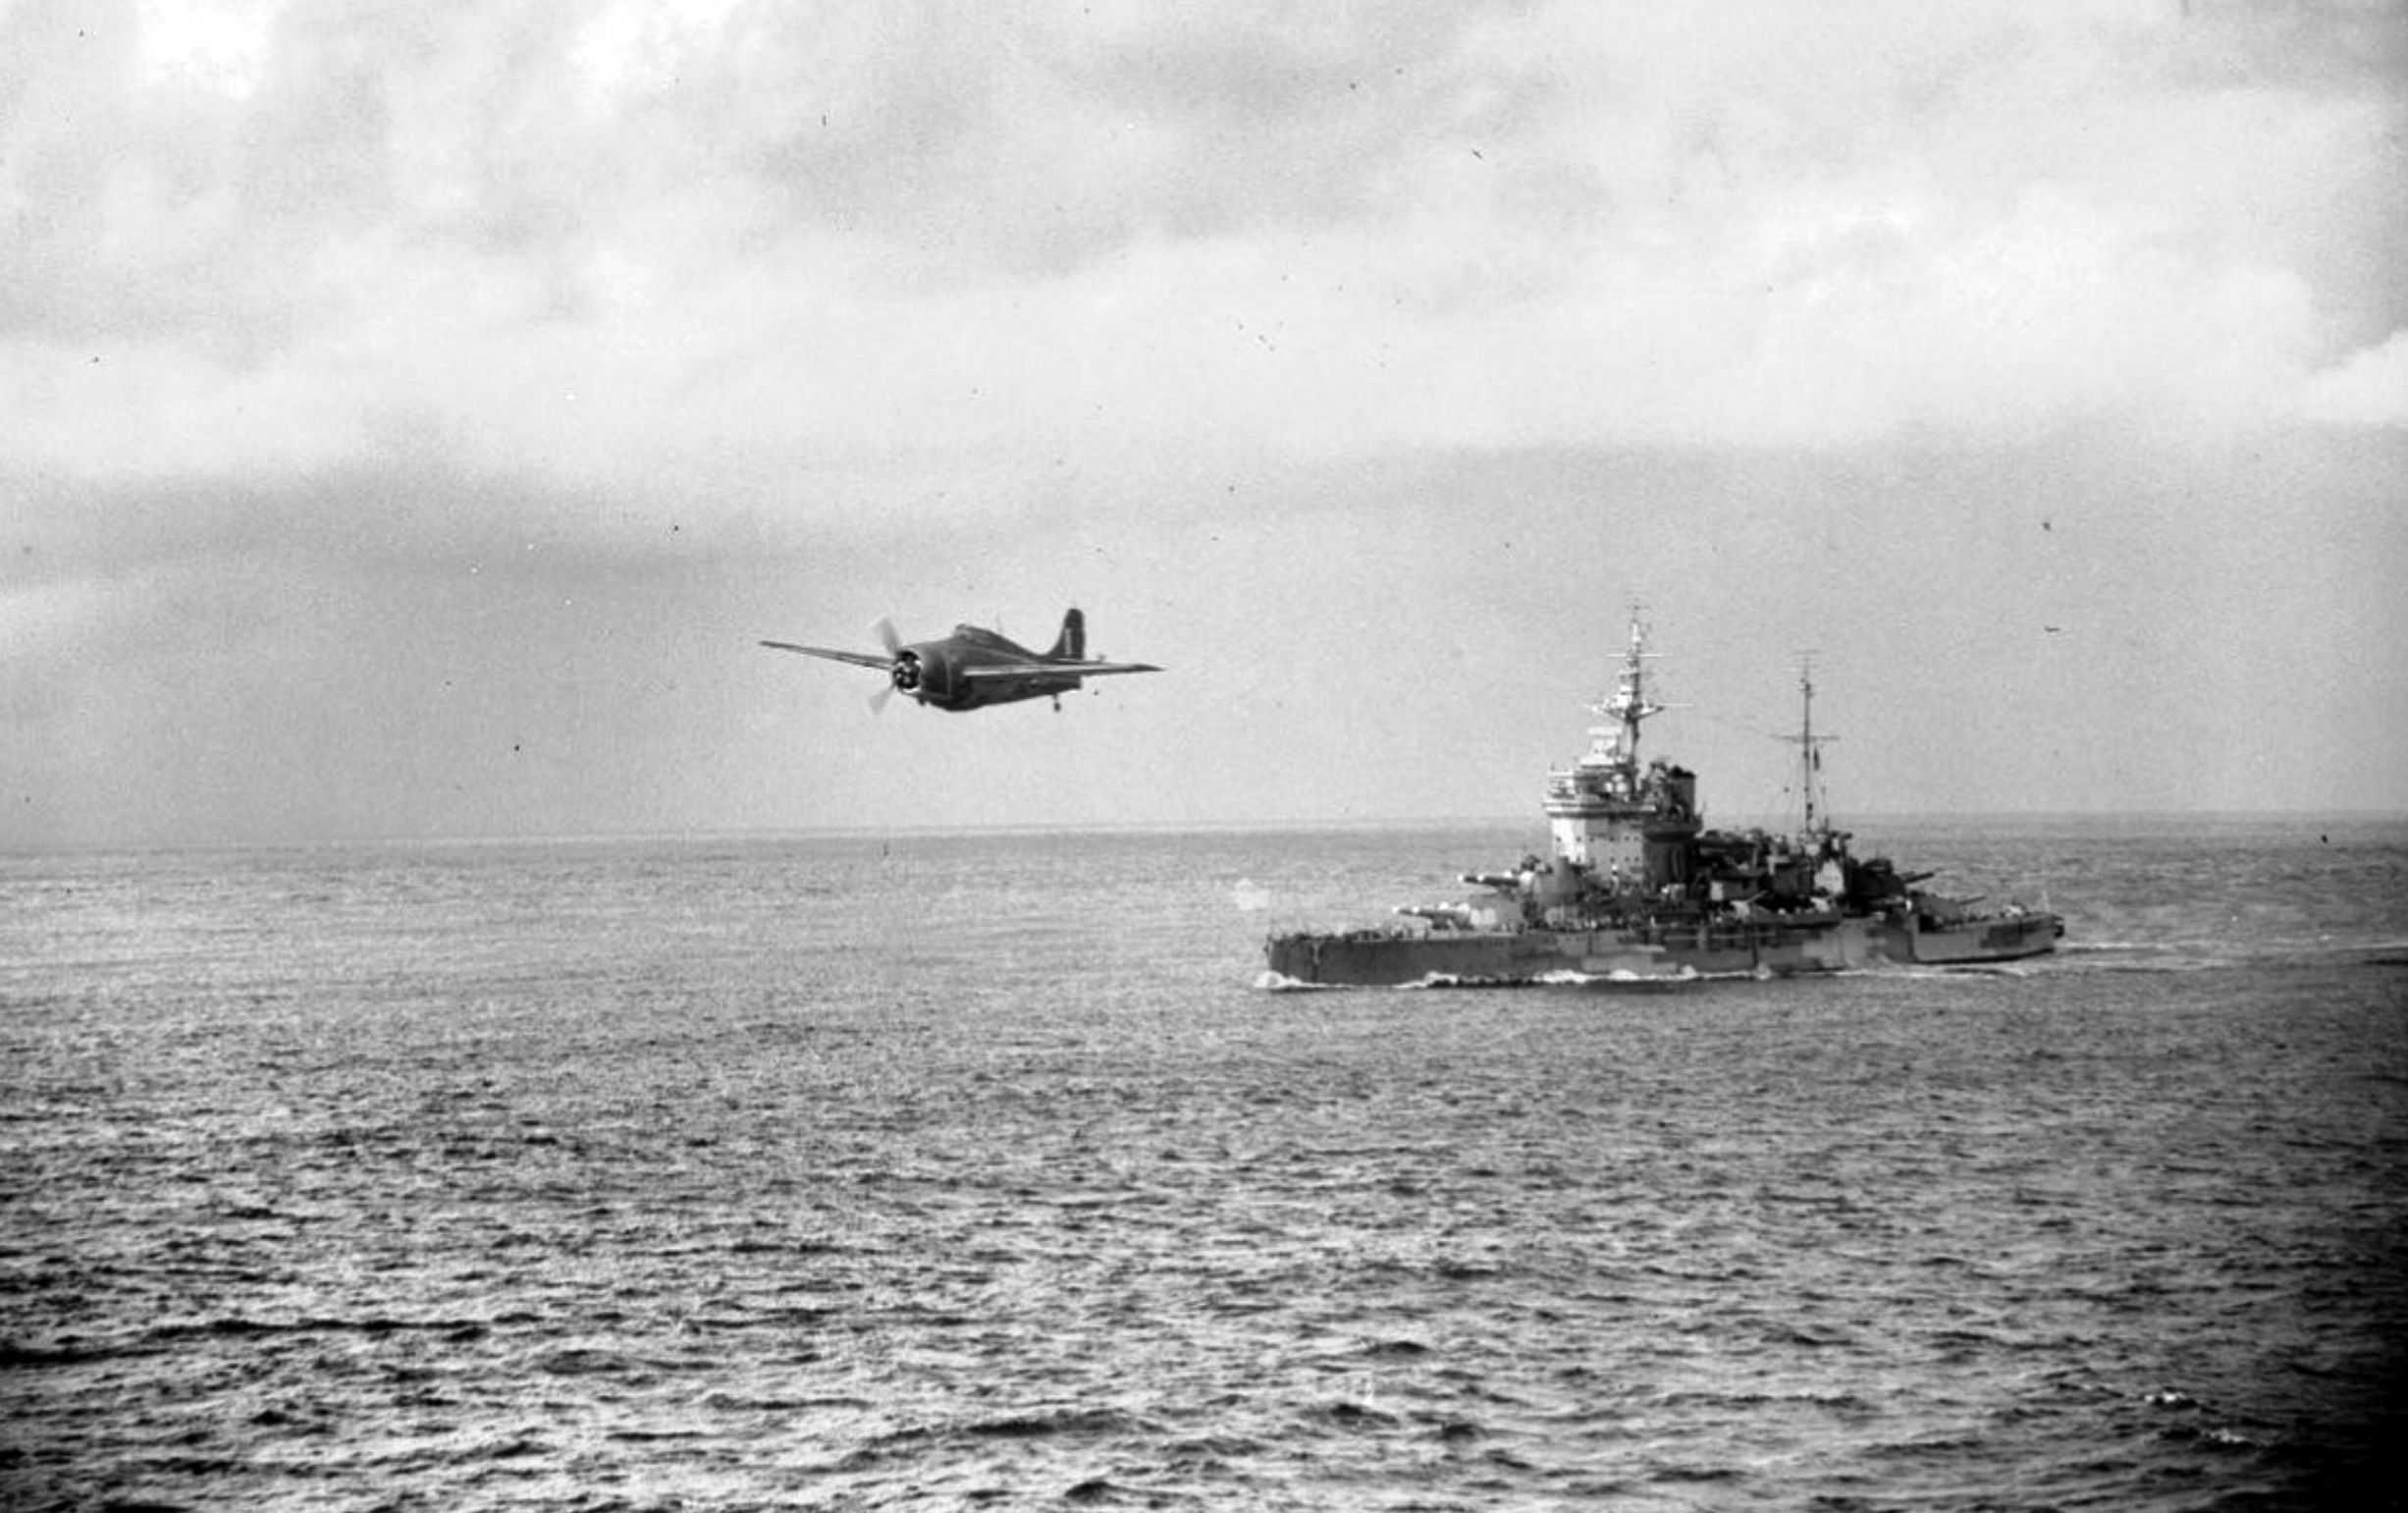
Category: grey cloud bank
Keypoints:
(413, 414)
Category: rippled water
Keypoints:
(958, 1171)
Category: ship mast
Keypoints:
(1615, 746)
(1809, 748)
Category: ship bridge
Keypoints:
(1605, 809)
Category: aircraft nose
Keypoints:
(906, 671)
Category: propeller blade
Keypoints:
(884, 630)
(878, 700)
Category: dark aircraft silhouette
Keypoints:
(975, 667)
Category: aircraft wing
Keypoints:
(859, 659)
(1051, 669)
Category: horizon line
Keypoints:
(1258, 825)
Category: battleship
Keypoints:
(1638, 890)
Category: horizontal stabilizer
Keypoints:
(1052, 670)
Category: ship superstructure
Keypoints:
(1605, 810)
(1637, 887)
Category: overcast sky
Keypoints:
(412, 412)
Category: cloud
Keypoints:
(718, 243)
(2369, 388)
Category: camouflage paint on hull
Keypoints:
(1516, 957)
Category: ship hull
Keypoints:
(2009, 937)
(1518, 957)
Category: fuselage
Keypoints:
(938, 673)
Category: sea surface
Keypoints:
(980, 1171)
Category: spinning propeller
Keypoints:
(904, 675)
(900, 663)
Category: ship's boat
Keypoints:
(1637, 889)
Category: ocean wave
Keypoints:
(494, 1189)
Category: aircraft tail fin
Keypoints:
(1072, 642)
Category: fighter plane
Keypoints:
(975, 667)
